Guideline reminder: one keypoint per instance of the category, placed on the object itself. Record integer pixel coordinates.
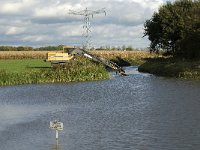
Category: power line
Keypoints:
(87, 14)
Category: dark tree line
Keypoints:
(28, 48)
(50, 48)
(19, 48)
(60, 47)
(175, 28)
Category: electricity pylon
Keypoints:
(86, 26)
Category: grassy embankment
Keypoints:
(30, 71)
(28, 67)
(171, 67)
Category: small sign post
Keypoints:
(56, 125)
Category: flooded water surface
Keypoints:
(136, 112)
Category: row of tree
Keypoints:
(19, 48)
(175, 28)
(60, 47)
(28, 48)
(120, 48)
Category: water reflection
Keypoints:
(14, 114)
(56, 146)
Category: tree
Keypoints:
(175, 28)
(123, 47)
(51, 48)
(129, 48)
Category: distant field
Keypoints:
(119, 57)
(123, 58)
(124, 54)
(42, 54)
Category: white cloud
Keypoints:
(11, 8)
(36, 38)
(15, 30)
(36, 23)
(70, 30)
(51, 11)
(16, 7)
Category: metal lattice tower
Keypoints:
(87, 14)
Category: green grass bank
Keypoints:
(28, 67)
(32, 71)
(170, 67)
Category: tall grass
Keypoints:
(81, 70)
(171, 67)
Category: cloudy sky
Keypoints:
(48, 22)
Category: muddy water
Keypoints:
(137, 112)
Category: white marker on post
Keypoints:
(56, 134)
(56, 125)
